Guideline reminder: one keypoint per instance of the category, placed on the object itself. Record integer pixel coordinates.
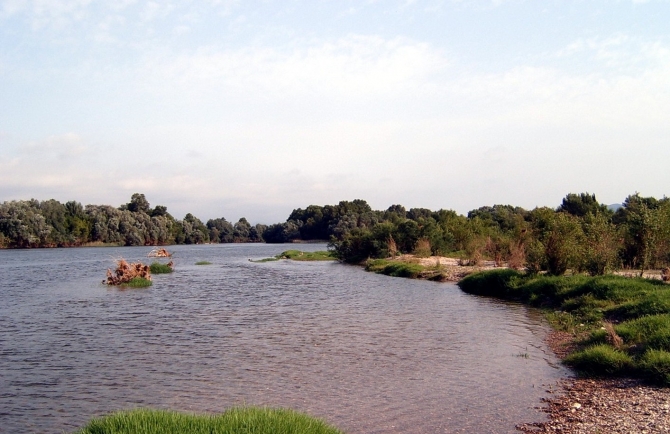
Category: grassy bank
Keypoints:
(234, 421)
(297, 255)
(411, 270)
(621, 325)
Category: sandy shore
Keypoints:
(450, 268)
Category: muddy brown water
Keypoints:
(368, 353)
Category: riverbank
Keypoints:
(620, 405)
(600, 405)
(576, 307)
(611, 329)
(437, 268)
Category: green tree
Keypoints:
(560, 235)
(581, 204)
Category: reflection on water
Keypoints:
(369, 353)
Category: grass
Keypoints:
(637, 312)
(234, 421)
(158, 268)
(203, 263)
(297, 255)
(411, 270)
(394, 268)
(600, 360)
(138, 282)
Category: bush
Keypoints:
(234, 421)
(655, 365)
(422, 248)
(600, 360)
(158, 268)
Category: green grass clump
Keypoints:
(395, 268)
(297, 255)
(234, 421)
(203, 263)
(264, 260)
(655, 365)
(651, 331)
(600, 360)
(138, 282)
(158, 268)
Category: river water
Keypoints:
(368, 353)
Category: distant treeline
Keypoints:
(25, 224)
(580, 234)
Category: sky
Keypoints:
(226, 108)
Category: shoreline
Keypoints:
(579, 405)
(600, 405)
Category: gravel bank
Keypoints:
(590, 406)
(605, 406)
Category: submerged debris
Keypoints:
(125, 272)
(159, 253)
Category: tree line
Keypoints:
(31, 223)
(581, 234)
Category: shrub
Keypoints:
(655, 365)
(422, 249)
(233, 421)
(600, 360)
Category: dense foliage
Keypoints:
(50, 223)
(581, 234)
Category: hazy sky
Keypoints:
(254, 108)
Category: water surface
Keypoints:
(369, 353)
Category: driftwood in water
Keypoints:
(159, 253)
(125, 272)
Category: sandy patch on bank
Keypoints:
(450, 269)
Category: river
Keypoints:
(368, 353)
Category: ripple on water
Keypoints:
(369, 353)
